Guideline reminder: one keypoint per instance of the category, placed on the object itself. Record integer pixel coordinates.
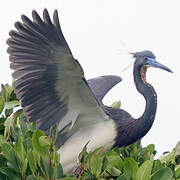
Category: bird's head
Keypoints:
(145, 59)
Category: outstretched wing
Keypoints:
(101, 85)
(49, 82)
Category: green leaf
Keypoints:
(56, 157)
(105, 163)
(177, 149)
(114, 160)
(6, 91)
(2, 140)
(150, 148)
(6, 149)
(96, 163)
(44, 166)
(177, 171)
(98, 151)
(130, 168)
(112, 163)
(31, 177)
(122, 177)
(168, 157)
(83, 154)
(8, 112)
(40, 178)
(144, 170)
(44, 141)
(157, 165)
(9, 173)
(12, 104)
(116, 104)
(2, 127)
(3, 91)
(2, 104)
(9, 154)
(32, 161)
(43, 151)
(28, 143)
(37, 157)
(8, 124)
(162, 174)
(3, 161)
(171, 166)
(24, 167)
(68, 178)
(114, 171)
(20, 150)
(59, 171)
(13, 96)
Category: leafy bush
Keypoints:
(27, 153)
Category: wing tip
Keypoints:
(9, 41)
(46, 17)
(55, 14)
(34, 12)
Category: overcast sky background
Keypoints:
(94, 30)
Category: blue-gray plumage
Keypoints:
(101, 85)
(52, 89)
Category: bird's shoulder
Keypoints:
(117, 114)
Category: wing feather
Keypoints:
(101, 85)
(49, 82)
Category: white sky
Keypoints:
(94, 30)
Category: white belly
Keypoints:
(100, 134)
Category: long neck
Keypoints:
(130, 130)
(146, 120)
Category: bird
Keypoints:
(53, 91)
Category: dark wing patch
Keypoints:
(31, 50)
(101, 85)
(49, 82)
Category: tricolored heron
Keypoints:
(51, 86)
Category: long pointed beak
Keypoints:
(154, 63)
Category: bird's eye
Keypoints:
(145, 58)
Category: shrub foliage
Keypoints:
(26, 153)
